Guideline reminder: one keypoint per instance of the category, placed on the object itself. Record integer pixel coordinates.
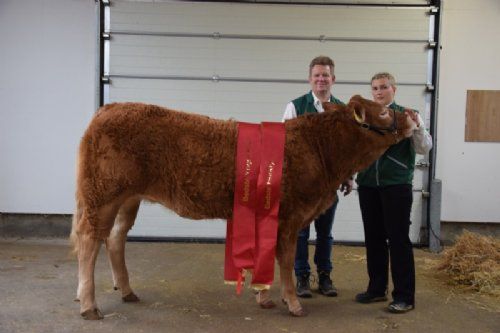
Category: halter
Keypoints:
(380, 130)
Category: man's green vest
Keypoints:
(394, 167)
(305, 103)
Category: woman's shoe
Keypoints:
(366, 298)
(400, 307)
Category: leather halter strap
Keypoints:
(380, 130)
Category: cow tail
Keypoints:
(77, 215)
(73, 237)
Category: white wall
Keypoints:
(470, 38)
(47, 96)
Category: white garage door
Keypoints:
(247, 60)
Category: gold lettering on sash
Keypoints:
(246, 180)
(270, 169)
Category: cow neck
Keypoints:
(337, 137)
(326, 131)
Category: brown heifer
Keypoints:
(132, 152)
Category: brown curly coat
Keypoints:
(132, 152)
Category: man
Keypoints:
(385, 199)
(321, 79)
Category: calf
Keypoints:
(132, 152)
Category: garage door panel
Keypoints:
(270, 19)
(153, 220)
(156, 221)
(244, 101)
(265, 59)
(221, 100)
(152, 55)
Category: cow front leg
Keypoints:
(88, 249)
(115, 245)
(286, 255)
(263, 298)
(288, 294)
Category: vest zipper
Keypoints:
(397, 162)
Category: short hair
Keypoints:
(384, 75)
(323, 61)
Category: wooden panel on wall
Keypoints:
(482, 116)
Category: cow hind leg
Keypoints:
(88, 249)
(115, 245)
(89, 241)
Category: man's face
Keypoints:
(321, 79)
(382, 91)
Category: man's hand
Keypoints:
(346, 186)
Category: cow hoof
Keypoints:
(130, 298)
(92, 314)
(267, 304)
(298, 312)
(295, 312)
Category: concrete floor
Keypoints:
(181, 290)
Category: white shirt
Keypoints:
(421, 139)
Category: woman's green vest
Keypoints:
(394, 167)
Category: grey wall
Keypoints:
(469, 60)
(47, 93)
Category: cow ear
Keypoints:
(358, 112)
(331, 107)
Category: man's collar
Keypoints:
(318, 105)
(316, 99)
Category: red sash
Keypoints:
(252, 233)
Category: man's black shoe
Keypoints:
(366, 298)
(303, 286)
(325, 285)
(400, 307)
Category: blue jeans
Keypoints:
(324, 242)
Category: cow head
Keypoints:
(380, 119)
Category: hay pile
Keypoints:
(474, 261)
